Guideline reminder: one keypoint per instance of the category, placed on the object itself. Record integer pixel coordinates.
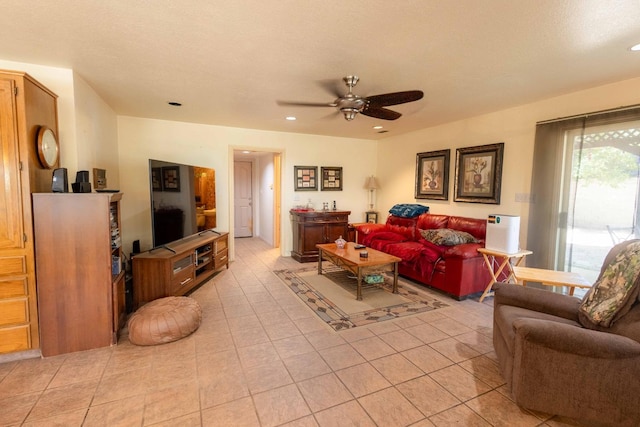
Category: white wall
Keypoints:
(515, 127)
(213, 146)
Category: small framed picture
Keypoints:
(331, 178)
(156, 179)
(479, 173)
(305, 178)
(432, 175)
(171, 178)
(372, 217)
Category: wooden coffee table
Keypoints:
(349, 259)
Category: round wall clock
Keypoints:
(47, 147)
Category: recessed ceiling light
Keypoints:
(290, 118)
(377, 127)
(635, 48)
(174, 104)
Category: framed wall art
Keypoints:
(432, 175)
(305, 178)
(171, 178)
(156, 179)
(479, 174)
(331, 178)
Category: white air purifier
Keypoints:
(503, 233)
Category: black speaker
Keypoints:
(60, 184)
(82, 176)
(81, 187)
(136, 246)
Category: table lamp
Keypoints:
(371, 184)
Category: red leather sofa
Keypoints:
(456, 270)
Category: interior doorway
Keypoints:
(257, 193)
(242, 199)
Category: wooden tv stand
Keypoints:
(177, 267)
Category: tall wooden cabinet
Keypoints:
(79, 270)
(25, 106)
(311, 228)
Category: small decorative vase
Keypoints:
(433, 184)
(477, 180)
(340, 243)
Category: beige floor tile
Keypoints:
(341, 356)
(265, 377)
(427, 395)
(223, 388)
(125, 412)
(237, 413)
(69, 419)
(324, 391)
(459, 415)
(356, 334)
(258, 354)
(427, 358)
(401, 340)
(16, 408)
(280, 405)
(308, 421)
(372, 348)
(349, 414)
(171, 402)
(362, 379)
(396, 368)
(63, 399)
(190, 420)
(460, 382)
(451, 327)
(478, 341)
(389, 407)
(324, 339)
(292, 346)
(484, 368)
(454, 350)
(427, 333)
(118, 386)
(248, 337)
(277, 331)
(500, 411)
(305, 366)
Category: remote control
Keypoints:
(359, 246)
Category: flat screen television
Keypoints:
(183, 200)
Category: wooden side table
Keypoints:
(551, 278)
(508, 261)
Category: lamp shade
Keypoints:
(371, 183)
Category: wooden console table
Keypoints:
(314, 227)
(508, 261)
(176, 268)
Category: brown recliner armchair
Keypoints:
(556, 362)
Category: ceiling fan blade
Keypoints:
(395, 98)
(331, 86)
(307, 104)
(380, 113)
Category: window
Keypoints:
(585, 186)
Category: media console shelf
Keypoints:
(177, 267)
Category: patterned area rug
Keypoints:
(332, 296)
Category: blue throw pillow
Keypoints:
(408, 210)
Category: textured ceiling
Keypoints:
(229, 62)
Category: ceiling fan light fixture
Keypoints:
(349, 113)
(290, 118)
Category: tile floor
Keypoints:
(261, 358)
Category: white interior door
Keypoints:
(243, 200)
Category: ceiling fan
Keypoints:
(373, 106)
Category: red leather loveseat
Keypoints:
(457, 270)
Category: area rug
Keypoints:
(332, 296)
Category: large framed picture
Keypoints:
(305, 178)
(171, 178)
(432, 175)
(479, 174)
(331, 178)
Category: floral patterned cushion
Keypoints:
(447, 237)
(615, 291)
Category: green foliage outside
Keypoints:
(605, 165)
